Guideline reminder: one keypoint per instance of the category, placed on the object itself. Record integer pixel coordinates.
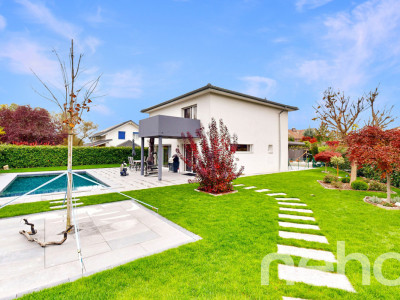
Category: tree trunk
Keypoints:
(389, 192)
(69, 175)
(353, 176)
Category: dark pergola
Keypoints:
(160, 127)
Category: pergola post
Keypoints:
(160, 157)
(142, 157)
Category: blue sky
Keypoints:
(150, 51)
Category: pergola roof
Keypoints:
(167, 127)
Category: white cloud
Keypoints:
(96, 18)
(102, 109)
(124, 84)
(23, 55)
(259, 86)
(280, 40)
(353, 43)
(310, 4)
(41, 14)
(3, 22)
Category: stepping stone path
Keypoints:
(61, 206)
(301, 274)
(250, 187)
(239, 184)
(292, 204)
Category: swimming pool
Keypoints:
(25, 183)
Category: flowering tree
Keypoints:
(72, 103)
(27, 125)
(212, 158)
(377, 147)
(325, 157)
(337, 161)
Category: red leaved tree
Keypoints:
(377, 147)
(27, 125)
(325, 157)
(212, 158)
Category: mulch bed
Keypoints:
(388, 206)
(345, 186)
(235, 191)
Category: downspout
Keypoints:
(280, 140)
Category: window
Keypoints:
(243, 148)
(135, 135)
(190, 112)
(121, 135)
(270, 149)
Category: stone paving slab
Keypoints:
(295, 217)
(239, 184)
(276, 194)
(314, 277)
(300, 210)
(303, 236)
(61, 206)
(287, 199)
(297, 225)
(263, 190)
(250, 187)
(292, 204)
(110, 235)
(307, 253)
(291, 298)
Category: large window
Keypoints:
(121, 135)
(243, 148)
(190, 112)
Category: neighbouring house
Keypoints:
(261, 126)
(296, 134)
(116, 136)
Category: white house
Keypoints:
(117, 135)
(261, 125)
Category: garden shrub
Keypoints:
(56, 156)
(377, 186)
(337, 184)
(330, 179)
(375, 200)
(359, 185)
(346, 179)
(395, 199)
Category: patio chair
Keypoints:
(131, 163)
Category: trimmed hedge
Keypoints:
(359, 185)
(56, 156)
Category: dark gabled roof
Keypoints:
(97, 143)
(216, 88)
(103, 132)
(127, 143)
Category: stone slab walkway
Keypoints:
(307, 253)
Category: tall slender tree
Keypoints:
(75, 99)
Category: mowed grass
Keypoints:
(62, 168)
(238, 230)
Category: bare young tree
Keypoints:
(338, 112)
(340, 115)
(72, 103)
(379, 118)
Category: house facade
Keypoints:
(261, 125)
(116, 136)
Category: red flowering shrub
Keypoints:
(378, 148)
(326, 156)
(332, 144)
(212, 158)
(312, 140)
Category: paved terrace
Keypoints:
(110, 235)
(109, 176)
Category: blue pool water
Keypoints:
(23, 184)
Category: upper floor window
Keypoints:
(135, 135)
(121, 135)
(190, 112)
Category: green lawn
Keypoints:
(62, 168)
(238, 230)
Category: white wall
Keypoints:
(129, 128)
(255, 124)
